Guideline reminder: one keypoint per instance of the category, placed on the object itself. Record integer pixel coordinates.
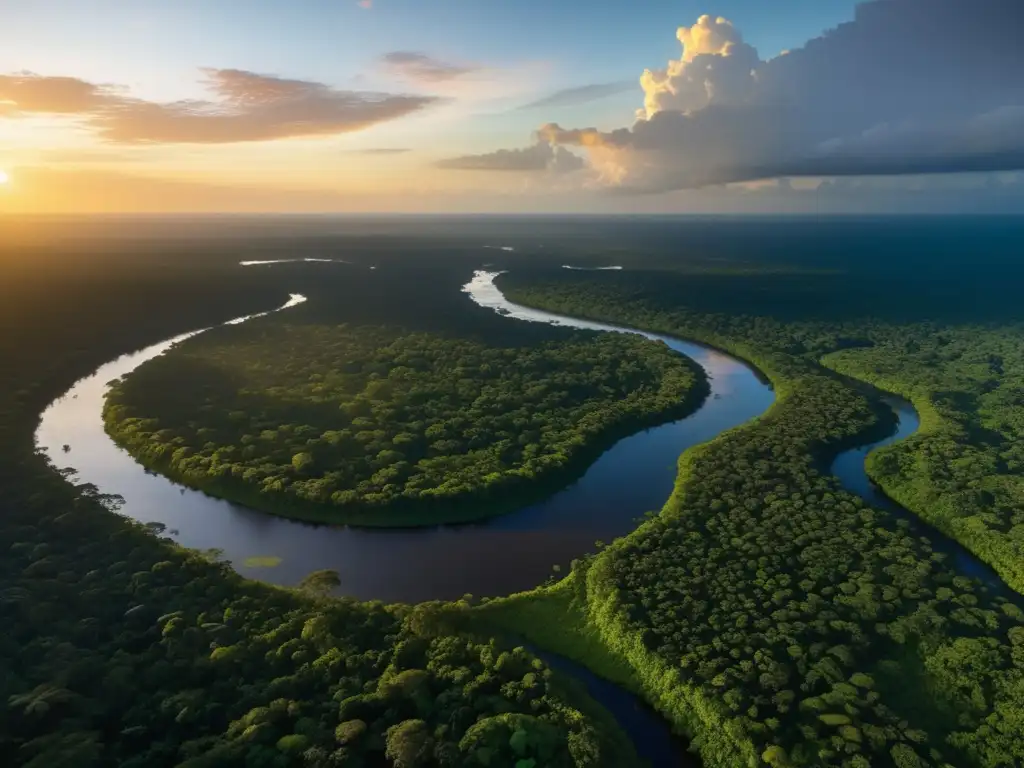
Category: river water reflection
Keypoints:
(495, 557)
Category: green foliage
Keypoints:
(293, 744)
(349, 731)
(40, 700)
(409, 744)
(963, 471)
(355, 422)
(320, 583)
(527, 736)
(767, 607)
(775, 756)
(904, 756)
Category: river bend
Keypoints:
(498, 556)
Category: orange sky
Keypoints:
(394, 106)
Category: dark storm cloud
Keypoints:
(908, 86)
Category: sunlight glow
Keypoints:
(4, 178)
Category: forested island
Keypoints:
(376, 425)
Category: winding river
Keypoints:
(494, 557)
(500, 556)
(848, 466)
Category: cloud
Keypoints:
(716, 67)
(381, 151)
(907, 86)
(988, 142)
(247, 107)
(581, 95)
(26, 93)
(542, 156)
(421, 68)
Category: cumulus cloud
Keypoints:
(716, 67)
(246, 107)
(580, 95)
(421, 68)
(907, 86)
(542, 156)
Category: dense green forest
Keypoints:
(120, 648)
(768, 612)
(155, 656)
(383, 426)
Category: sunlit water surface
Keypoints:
(499, 556)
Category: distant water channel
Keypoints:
(849, 468)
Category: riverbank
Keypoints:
(965, 521)
(492, 501)
(554, 619)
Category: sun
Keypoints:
(4, 178)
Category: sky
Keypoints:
(603, 106)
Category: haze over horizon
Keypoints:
(401, 106)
